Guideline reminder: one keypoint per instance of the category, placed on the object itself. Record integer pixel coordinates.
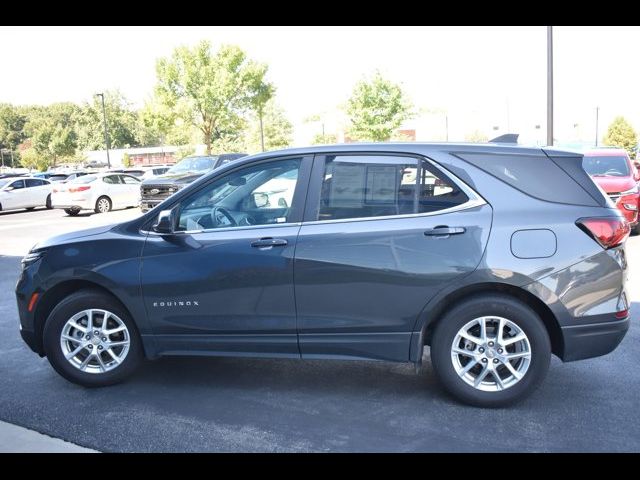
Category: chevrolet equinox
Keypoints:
(494, 256)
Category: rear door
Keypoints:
(38, 192)
(113, 186)
(381, 235)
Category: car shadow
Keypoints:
(21, 210)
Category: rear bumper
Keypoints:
(593, 340)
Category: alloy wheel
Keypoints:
(95, 341)
(491, 353)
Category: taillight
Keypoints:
(79, 189)
(608, 232)
(55, 190)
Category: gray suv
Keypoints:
(493, 256)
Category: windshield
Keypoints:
(194, 164)
(83, 179)
(5, 181)
(606, 166)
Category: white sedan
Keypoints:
(24, 192)
(100, 192)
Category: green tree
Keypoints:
(126, 160)
(212, 92)
(161, 125)
(278, 130)
(31, 159)
(122, 121)
(621, 134)
(51, 131)
(376, 108)
(324, 139)
(12, 122)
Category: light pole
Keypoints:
(550, 86)
(106, 131)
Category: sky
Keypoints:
(491, 79)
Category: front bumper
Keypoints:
(594, 339)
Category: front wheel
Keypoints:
(72, 212)
(490, 351)
(91, 340)
(103, 205)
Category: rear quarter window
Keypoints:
(535, 175)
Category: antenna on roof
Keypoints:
(506, 138)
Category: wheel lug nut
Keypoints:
(99, 347)
(481, 350)
(499, 350)
(491, 344)
(484, 360)
(96, 333)
(88, 337)
(104, 339)
(90, 347)
(495, 360)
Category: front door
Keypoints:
(382, 234)
(223, 283)
(17, 197)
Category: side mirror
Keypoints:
(260, 199)
(165, 223)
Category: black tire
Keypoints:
(72, 212)
(636, 229)
(48, 203)
(490, 305)
(28, 209)
(75, 303)
(98, 201)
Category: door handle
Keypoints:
(269, 242)
(444, 231)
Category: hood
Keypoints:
(615, 184)
(72, 236)
(174, 178)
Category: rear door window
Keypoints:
(363, 186)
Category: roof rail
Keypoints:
(511, 138)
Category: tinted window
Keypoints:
(375, 186)
(130, 180)
(32, 182)
(57, 178)
(535, 175)
(18, 184)
(257, 195)
(606, 166)
(112, 179)
(194, 164)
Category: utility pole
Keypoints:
(597, 113)
(106, 131)
(261, 131)
(550, 86)
(446, 125)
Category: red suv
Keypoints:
(616, 174)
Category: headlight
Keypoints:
(32, 257)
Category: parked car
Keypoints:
(189, 169)
(44, 175)
(615, 173)
(12, 175)
(24, 192)
(66, 177)
(100, 192)
(516, 255)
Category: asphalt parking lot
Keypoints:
(217, 404)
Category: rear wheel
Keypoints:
(72, 212)
(91, 340)
(103, 205)
(490, 351)
(48, 203)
